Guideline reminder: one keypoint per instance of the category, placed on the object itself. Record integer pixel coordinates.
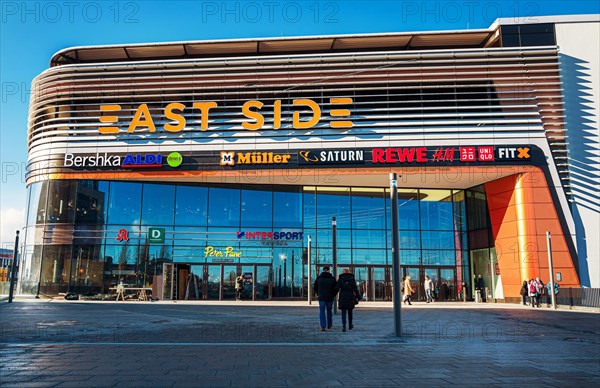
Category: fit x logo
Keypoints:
(227, 159)
(523, 153)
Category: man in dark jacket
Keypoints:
(326, 289)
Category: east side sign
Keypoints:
(143, 120)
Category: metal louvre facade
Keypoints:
(426, 96)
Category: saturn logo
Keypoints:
(309, 156)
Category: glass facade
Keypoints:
(87, 236)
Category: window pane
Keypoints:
(191, 205)
(374, 239)
(61, 201)
(408, 208)
(37, 203)
(92, 198)
(257, 208)
(158, 204)
(439, 240)
(224, 207)
(368, 208)
(436, 210)
(124, 203)
(287, 209)
(438, 257)
(310, 207)
(324, 238)
(369, 256)
(333, 202)
(410, 257)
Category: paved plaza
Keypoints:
(161, 344)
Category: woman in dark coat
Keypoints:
(524, 291)
(348, 293)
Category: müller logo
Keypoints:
(233, 158)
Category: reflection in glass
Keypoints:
(224, 207)
(61, 201)
(37, 203)
(287, 209)
(191, 206)
(257, 208)
(368, 209)
(333, 202)
(124, 203)
(157, 205)
(91, 202)
(436, 210)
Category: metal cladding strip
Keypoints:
(432, 96)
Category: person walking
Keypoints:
(326, 288)
(532, 292)
(428, 285)
(408, 290)
(348, 298)
(540, 288)
(524, 292)
(239, 287)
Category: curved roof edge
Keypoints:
(424, 40)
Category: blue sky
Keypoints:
(30, 32)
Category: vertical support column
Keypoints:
(395, 255)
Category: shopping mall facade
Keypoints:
(181, 165)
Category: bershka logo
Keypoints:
(148, 160)
(233, 158)
(98, 160)
(331, 157)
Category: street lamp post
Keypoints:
(292, 280)
(283, 257)
(334, 256)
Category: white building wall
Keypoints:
(580, 69)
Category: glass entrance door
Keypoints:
(263, 282)
(228, 283)
(415, 282)
(212, 282)
(447, 284)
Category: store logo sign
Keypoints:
(514, 153)
(229, 251)
(156, 235)
(174, 159)
(485, 153)
(331, 157)
(123, 235)
(139, 160)
(253, 158)
(260, 235)
(399, 155)
(98, 160)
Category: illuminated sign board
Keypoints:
(331, 157)
(214, 160)
(229, 252)
(252, 110)
(233, 158)
(139, 160)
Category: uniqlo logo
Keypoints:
(467, 154)
(486, 153)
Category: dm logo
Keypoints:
(174, 159)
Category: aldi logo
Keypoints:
(147, 160)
